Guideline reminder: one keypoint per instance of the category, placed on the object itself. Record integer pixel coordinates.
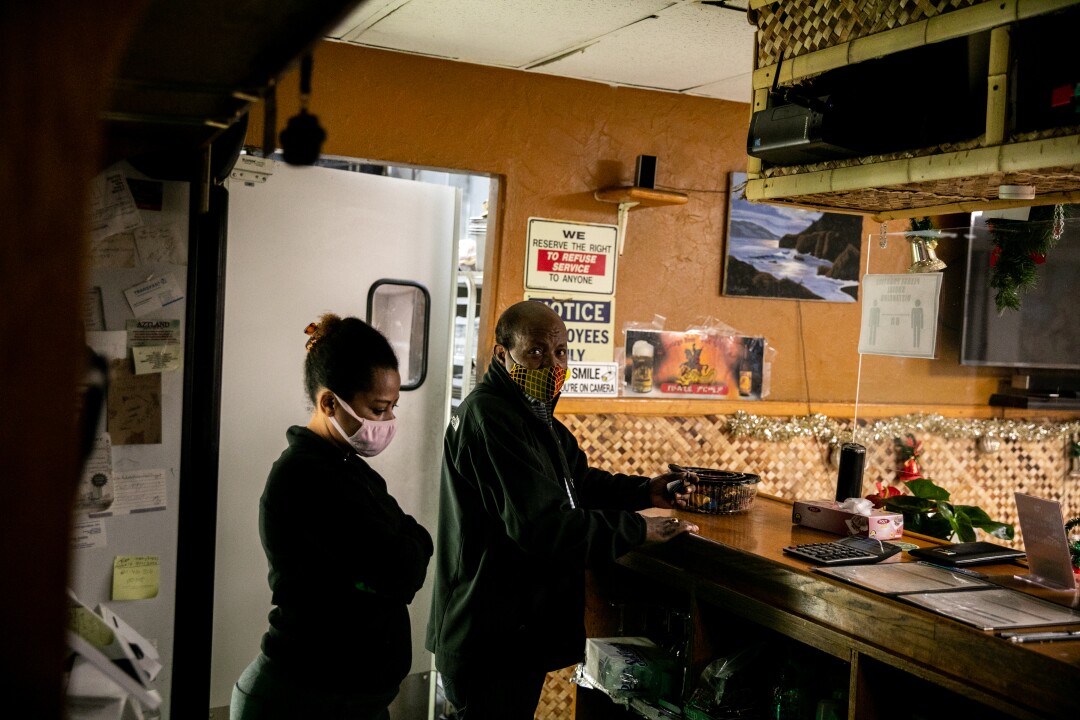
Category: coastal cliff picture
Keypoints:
(788, 253)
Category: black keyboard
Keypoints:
(851, 550)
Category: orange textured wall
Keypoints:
(552, 141)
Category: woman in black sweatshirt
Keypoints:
(344, 559)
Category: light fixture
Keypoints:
(1016, 192)
(302, 138)
(923, 257)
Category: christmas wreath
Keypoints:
(1020, 247)
(1074, 541)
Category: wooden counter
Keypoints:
(735, 572)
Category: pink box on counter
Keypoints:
(826, 515)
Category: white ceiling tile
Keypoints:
(509, 33)
(363, 15)
(738, 88)
(685, 46)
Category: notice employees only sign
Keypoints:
(571, 257)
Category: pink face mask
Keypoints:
(373, 435)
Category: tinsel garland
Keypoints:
(825, 429)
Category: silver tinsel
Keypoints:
(826, 429)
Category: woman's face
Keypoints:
(378, 403)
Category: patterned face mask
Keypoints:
(542, 384)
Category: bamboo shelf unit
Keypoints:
(961, 177)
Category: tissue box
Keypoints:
(628, 666)
(826, 515)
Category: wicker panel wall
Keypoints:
(802, 467)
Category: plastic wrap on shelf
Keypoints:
(626, 667)
(735, 686)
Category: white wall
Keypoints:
(312, 240)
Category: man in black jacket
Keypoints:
(521, 516)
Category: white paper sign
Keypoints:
(88, 534)
(136, 491)
(590, 324)
(571, 257)
(95, 491)
(156, 345)
(153, 294)
(899, 314)
(112, 208)
(161, 244)
(591, 380)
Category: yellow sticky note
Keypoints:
(136, 577)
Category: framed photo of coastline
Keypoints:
(786, 253)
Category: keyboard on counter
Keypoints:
(851, 550)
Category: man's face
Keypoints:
(542, 343)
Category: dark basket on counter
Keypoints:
(719, 492)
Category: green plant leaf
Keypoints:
(962, 524)
(935, 526)
(981, 520)
(925, 488)
(909, 504)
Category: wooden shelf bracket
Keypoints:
(631, 197)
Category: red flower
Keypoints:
(910, 470)
(884, 492)
(995, 255)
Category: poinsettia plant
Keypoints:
(927, 510)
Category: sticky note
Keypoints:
(136, 577)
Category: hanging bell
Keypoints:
(923, 257)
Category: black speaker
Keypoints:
(849, 476)
(645, 172)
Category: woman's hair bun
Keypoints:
(316, 331)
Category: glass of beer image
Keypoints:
(642, 369)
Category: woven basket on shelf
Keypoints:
(557, 697)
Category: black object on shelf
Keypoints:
(1036, 401)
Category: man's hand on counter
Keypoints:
(661, 529)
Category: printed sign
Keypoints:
(590, 325)
(899, 314)
(592, 380)
(571, 257)
(661, 363)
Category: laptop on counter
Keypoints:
(1046, 543)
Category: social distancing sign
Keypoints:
(571, 257)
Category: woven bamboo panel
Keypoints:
(557, 697)
(803, 468)
(911, 196)
(796, 27)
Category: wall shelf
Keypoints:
(640, 196)
(631, 196)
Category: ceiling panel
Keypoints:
(672, 45)
(684, 47)
(737, 88)
(509, 33)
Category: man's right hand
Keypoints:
(661, 529)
